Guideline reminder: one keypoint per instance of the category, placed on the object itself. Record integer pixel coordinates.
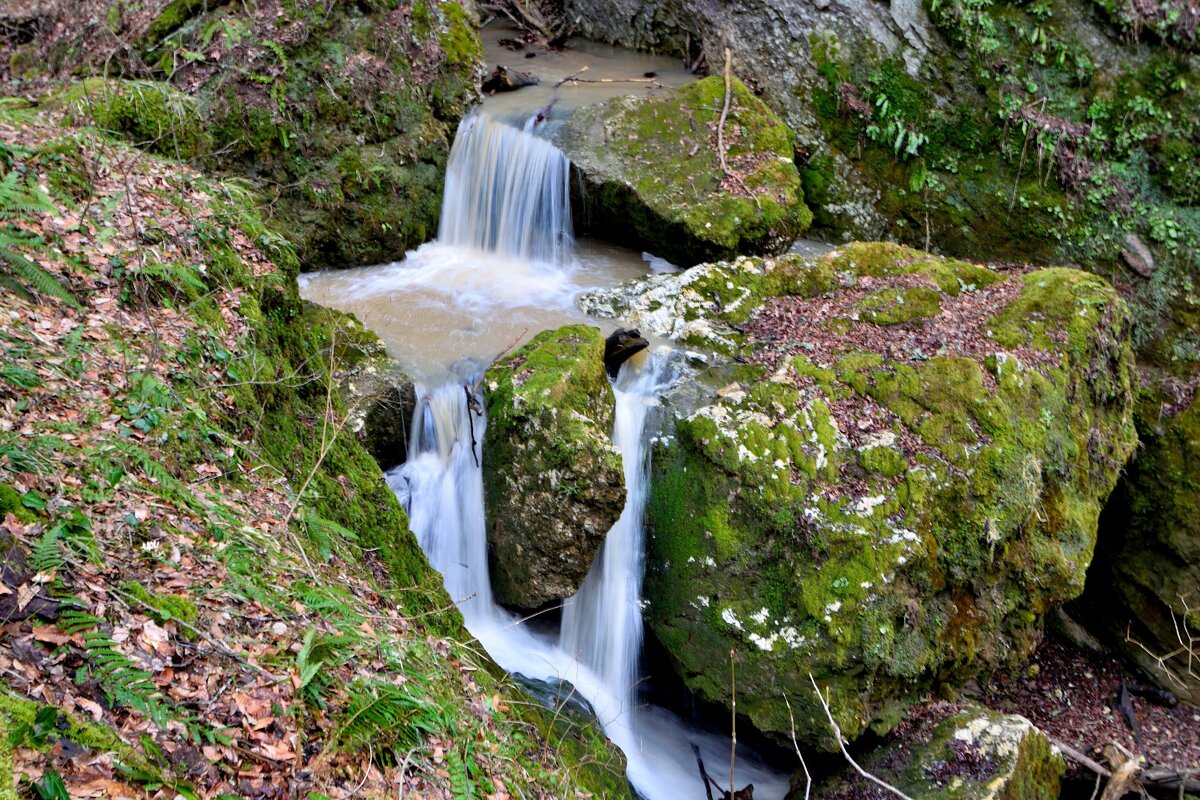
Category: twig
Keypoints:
(799, 755)
(725, 109)
(1080, 758)
(837, 734)
(703, 772)
(732, 702)
(571, 77)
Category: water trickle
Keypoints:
(507, 192)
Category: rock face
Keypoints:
(967, 753)
(379, 397)
(553, 484)
(651, 172)
(1145, 585)
(887, 494)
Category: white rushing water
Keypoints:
(504, 248)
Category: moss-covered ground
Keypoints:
(342, 115)
(228, 598)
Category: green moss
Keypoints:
(683, 209)
(163, 607)
(11, 503)
(895, 306)
(153, 115)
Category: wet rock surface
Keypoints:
(553, 483)
(888, 503)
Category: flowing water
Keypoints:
(503, 268)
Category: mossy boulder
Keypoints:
(652, 173)
(886, 505)
(553, 483)
(947, 752)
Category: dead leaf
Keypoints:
(50, 634)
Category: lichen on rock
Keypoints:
(553, 480)
(949, 752)
(890, 505)
(652, 172)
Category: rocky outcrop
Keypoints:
(1143, 593)
(379, 397)
(902, 474)
(553, 484)
(965, 753)
(652, 173)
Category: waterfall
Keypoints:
(507, 192)
(602, 623)
(507, 199)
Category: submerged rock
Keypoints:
(967, 753)
(652, 173)
(553, 483)
(620, 346)
(504, 79)
(888, 499)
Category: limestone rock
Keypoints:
(652, 173)
(553, 484)
(964, 753)
(889, 501)
(1137, 256)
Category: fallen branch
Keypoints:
(799, 755)
(725, 109)
(837, 734)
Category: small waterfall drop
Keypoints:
(507, 192)
(602, 623)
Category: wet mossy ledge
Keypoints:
(553, 480)
(215, 555)
(342, 114)
(652, 173)
(902, 474)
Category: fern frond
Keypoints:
(39, 279)
(22, 197)
(377, 712)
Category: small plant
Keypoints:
(18, 272)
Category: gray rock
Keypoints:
(1137, 256)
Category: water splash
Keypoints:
(507, 193)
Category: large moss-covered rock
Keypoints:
(553, 484)
(889, 502)
(344, 113)
(946, 752)
(652, 173)
(1144, 590)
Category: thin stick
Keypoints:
(571, 77)
(799, 755)
(725, 109)
(732, 697)
(837, 734)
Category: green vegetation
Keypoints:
(191, 498)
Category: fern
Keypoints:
(379, 714)
(170, 487)
(73, 621)
(123, 682)
(18, 273)
(461, 786)
(46, 555)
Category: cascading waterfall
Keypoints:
(507, 192)
(507, 195)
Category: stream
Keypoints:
(505, 266)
